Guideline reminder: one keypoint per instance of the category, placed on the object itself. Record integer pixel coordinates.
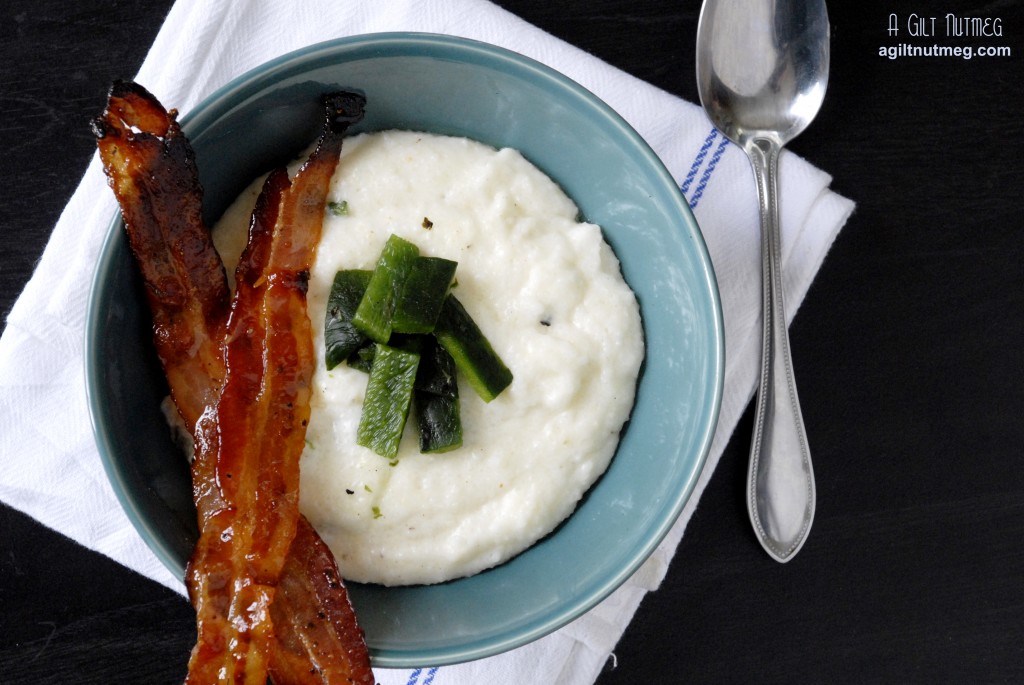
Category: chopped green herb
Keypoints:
(338, 208)
(376, 512)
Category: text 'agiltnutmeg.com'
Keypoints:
(948, 35)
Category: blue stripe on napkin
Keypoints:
(698, 160)
(414, 677)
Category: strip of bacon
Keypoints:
(233, 574)
(307, 628)
(317, 644)
(151, 169)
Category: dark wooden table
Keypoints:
(908, 349)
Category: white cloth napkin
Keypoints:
(51, 467)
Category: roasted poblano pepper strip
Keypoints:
(437, 368)
(381, 321)
(439, 422)
(436, 399)
(341, 337)
(473, 354)
(387, 400)
(425, 288)
(375, 311)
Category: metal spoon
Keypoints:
(762, 69)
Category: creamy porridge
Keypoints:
(547, 292)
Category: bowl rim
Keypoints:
(420, 43)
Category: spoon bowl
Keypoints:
(762, 67)
(762, 71)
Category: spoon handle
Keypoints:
(780, 480)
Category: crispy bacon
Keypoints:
(237, 562)
(266, 588)
(318, 642)
(151, 169)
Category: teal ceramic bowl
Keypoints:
(457, 87)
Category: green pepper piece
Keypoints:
(387, 400)
(375, 311)
(439, 422)
(341, 337)
(423, 295)
(460, 336)
(437, 369)
(436, 399)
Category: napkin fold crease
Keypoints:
(52, 470)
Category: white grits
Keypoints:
(548, 294)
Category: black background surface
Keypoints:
(908, 350)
